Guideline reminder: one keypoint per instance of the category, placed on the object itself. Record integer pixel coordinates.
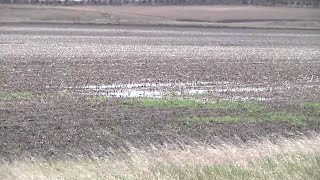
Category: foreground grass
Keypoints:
(298, 166)
(290, 159)
(283, 166)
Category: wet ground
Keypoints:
(278, 64)
(280, 68)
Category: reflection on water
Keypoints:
(162, 90)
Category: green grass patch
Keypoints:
(194, 119)
(50, 96)
(312, 105)
(170, 103)
(193, 103)
(95, 99)
(284, 117)
(16, 95)
(312, 108)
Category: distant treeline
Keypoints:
(293, 3)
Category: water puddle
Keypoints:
(175, 89)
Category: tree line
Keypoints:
(296, 3)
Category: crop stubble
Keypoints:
(47, 60)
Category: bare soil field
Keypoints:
(69, 90)
(217, 16)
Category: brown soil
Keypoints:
(45, 61)
(70, 127)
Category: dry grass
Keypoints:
(298, 159)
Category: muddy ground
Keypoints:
(57, 65)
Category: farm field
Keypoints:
(209, 16)
(95, 91)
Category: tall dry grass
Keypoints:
(288, 159)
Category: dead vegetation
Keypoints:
(298, 159)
